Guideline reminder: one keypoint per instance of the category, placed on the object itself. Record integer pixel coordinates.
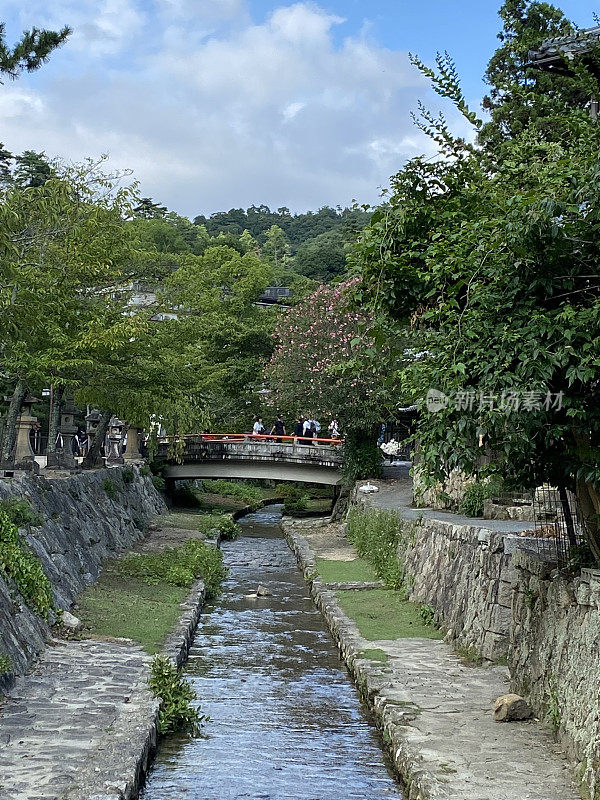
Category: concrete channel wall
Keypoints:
(87, 517)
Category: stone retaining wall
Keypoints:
(82, 526)
(464, 573)
(555, 656)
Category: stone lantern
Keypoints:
(115, 437)
(68, 429)
(24, 455)
(132, 451)
(92, 421)
(63, 457)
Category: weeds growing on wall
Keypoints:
(179, 566)
(20, 512)
(6, 664)
(20, 565)
(159, 483)
(110, 488)
(128, 475)
(176, 712)
(377, 534)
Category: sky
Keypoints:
(219, 104)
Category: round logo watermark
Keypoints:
(436, 401)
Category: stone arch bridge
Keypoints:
(280, 458)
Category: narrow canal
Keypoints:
(286, 723)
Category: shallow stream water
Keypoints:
(286, 723)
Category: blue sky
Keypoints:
(216, 104)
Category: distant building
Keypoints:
(274, 294)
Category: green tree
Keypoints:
(522, 96)
(31, 169)
(276, 249)
(62, 249)
(227, 338)
(30, 52)
(148, 209)
(487, 259)
(324, 257)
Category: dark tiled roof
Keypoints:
(555, 50)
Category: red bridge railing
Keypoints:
(249, 437)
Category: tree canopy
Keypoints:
(487, 259)
(31, 51)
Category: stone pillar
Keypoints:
(92, 421)
(68, 429)
(115, 437)
(24, 455)
(63, 457)
(132, 453)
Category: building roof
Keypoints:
(553, 53)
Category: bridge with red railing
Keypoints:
(238, 455)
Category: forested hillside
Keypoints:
(316, 241)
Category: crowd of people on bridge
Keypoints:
(307, 429)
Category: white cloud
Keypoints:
(212, 110)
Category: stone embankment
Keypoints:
(82, 723)
(86, 518)
(497, 591)
(436, 712)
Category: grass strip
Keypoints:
(126, 606)
(383, 614)
(356, 571)
(138, 596)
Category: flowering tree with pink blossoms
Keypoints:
(326, 365)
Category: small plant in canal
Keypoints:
(176, 712)
(222, 524)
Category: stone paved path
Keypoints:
(77, 724)
(438, 711)
(80, 725)
(397, 495)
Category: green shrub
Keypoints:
(110, 488)
(18, 563)
(222, 524)
(159, 483)
(128, 475)
(250, 495)
(179, 566)
(6, 664)
(20, 512)
(472, 502)
(176, 712)
(427, 614)
(475, 493)
(145, 471)
(377, 534)
(362, 457)
(295, 507)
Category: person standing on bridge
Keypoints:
(299, 430)
(258, 428)
(278, 428)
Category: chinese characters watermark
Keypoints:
(508, 402)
